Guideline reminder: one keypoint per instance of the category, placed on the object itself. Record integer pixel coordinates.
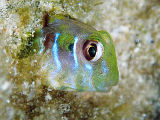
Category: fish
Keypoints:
(80, 58)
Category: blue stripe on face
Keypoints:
(90, 69)
(75, 52)
(41, 45)
(55, 53)
(105, 70)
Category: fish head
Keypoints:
(105, 70)
(84, 62)
(98, 69)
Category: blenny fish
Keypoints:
(80, 57)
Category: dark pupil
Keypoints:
(92, 51)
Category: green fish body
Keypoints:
(81, 58)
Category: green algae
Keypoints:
(24, 15)
(30, 45)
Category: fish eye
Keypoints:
(92, 50)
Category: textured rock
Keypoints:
(134, 26)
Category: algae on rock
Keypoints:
(24, 93)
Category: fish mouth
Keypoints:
(102, 88)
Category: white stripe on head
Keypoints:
(75, 52)
(55, 53)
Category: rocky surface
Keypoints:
(134, 26)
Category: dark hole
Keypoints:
(137, 41)
(151, 41)
(92, 51)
